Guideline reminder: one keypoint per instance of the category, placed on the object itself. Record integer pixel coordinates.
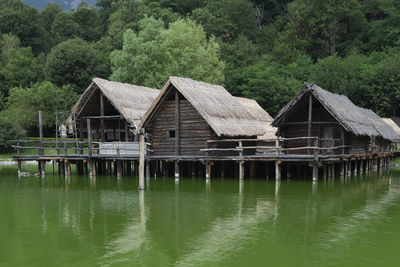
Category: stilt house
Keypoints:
(189, 113)
(333, 123)
(113, 108)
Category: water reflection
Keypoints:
(334, 240)
(131, 238)
(204, 222)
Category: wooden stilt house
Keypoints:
(113, 109)
(333, 123)
(188, 114)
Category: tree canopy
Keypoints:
(261, 49)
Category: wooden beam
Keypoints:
(208, 170)
(89, 130)
(313, 122)
(309, 119)
(177, 123)
(80, 138)
(277, 170)
(176, 164)
(103, 137)
(40, 133)
(113, 117)
(315, 171)
(141, 161)
(126, 132)
(241, 170)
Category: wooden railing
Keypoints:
(75, 148)
(243, 147)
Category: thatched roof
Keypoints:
(131, 101)
(352, 118)
(392, 124)
(225, 115)
(261, 115)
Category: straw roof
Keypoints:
(392, 124)
(261, 115)
(352, 118)
(225, 115)
(131, 101)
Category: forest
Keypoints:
(258, 49)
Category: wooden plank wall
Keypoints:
(299, 113)
(194, 130)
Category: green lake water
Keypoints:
(108, 222)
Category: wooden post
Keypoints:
(266, 171)
(109, 167)
(128, 168)
(341, 169)
(208, 170)
(361, 166)
(315, 171)
(325, 171)
(355, 166)
(176, 164)
(277, 170)
(193, 169)
(141, 161)
(252, 169)
(222, 169)
(85, 167)
(89, 130)
(126, 132)
(68, 168)
(333, 170)
(103, 136)
(350, 167)
(241, 169)
(147, 169)
(346, 171)
(19, 168)
(57, 145)
(309, 129)
(177, 137)
(80, 137)
(288, 171)
(343, 141)
(41, 152)
(119, 169)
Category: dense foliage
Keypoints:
(261, 49)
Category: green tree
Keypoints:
(65, 27)
(25, 22)
(228, 19)
(323, 28)
(151, 56)
(49, 14)
(73, 62)
(89, 21)
(18, 65)
(381, 83)
(269, 84)
(9, 131)
(384, 20)
(23, 104)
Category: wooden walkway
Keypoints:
(324, 157)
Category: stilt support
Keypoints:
(277, 170)
(241, 170)
(315, 171)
